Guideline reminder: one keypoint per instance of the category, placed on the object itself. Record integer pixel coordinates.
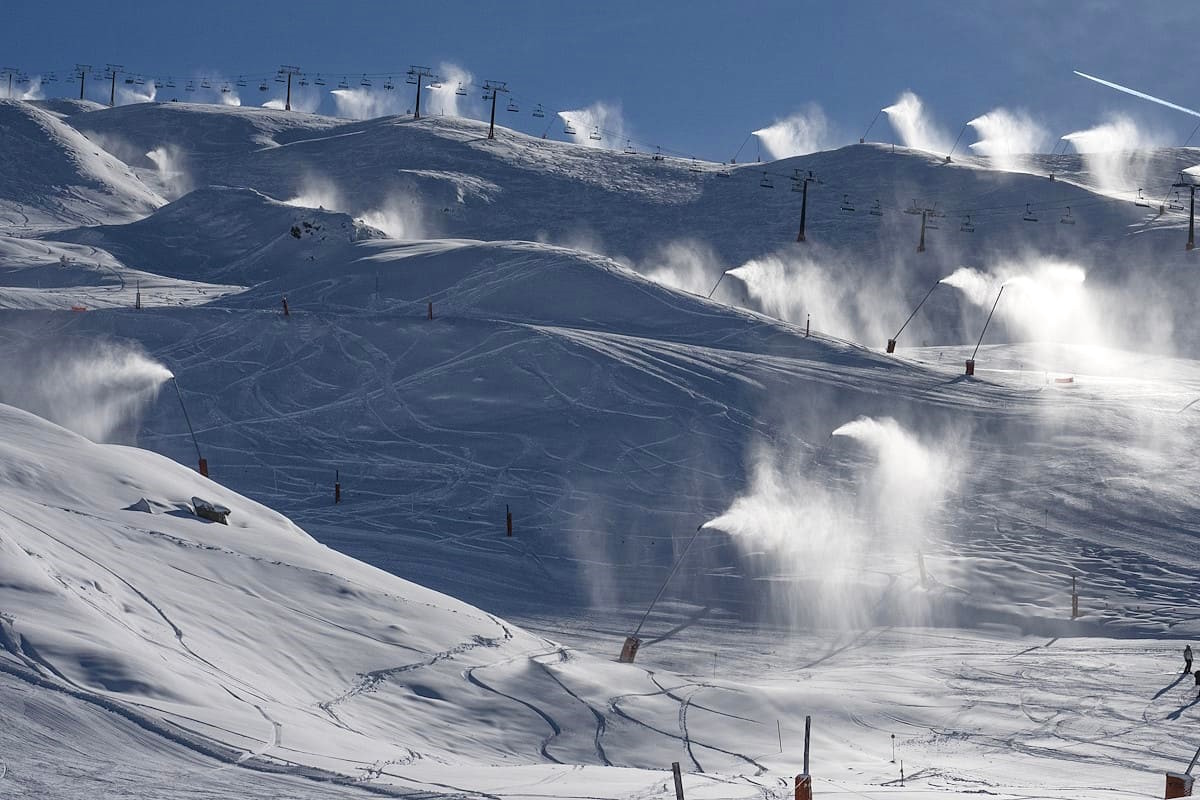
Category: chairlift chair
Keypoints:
(1177, 203)
(318, 81)
(722, 173)
(1141, 201)
(797, 181)
(1029, 217)
(595, 134)
(876, 209)
(279, 78)
(1067, 219)
(170, 84)
(343, 84)
(658, 156)
(512, 106)
(766, 182)
(538, 112)
(411, 79)
(694, 167)
(225, 89)
(629, 148)
(435, 85)
(389, 84)
(931, 223)
(205, 84)
(191, 86)
(129, 79)
(846, 204)
(262, 87)
(460, 91)
(303, 80)
(967, 226)
(365, 82)
(569, 129)
(241, 81)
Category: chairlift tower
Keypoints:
(81, 72)
(110, 72)
(417, 75)
(286, 70)
(1191, 187)
(803, 203)
(10, 72)
(490, 90)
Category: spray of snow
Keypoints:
(317, 192)
(1116, 153)
(443, 97)
(136, 93)
(1045, 300)
(174, 180)
(792, 287)
(96, 389)
(368, 102)
(1008, 137)
(914, 126)
(687, 264)
(599, 119)
(806, 131)
(829, 540)
(34, 90)
(399, 217)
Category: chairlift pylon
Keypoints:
(1029, 216)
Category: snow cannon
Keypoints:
(970, 366)
(1179, 784)
(629, 649)
(891, 343)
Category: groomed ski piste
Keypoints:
(475, 327)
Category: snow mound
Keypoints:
(51, 176)
(220, 233)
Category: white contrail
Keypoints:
(1136, 93)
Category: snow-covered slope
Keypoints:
(889, 543)
(51, 176)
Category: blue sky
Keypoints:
(695, 77)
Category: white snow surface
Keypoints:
(909, 576)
